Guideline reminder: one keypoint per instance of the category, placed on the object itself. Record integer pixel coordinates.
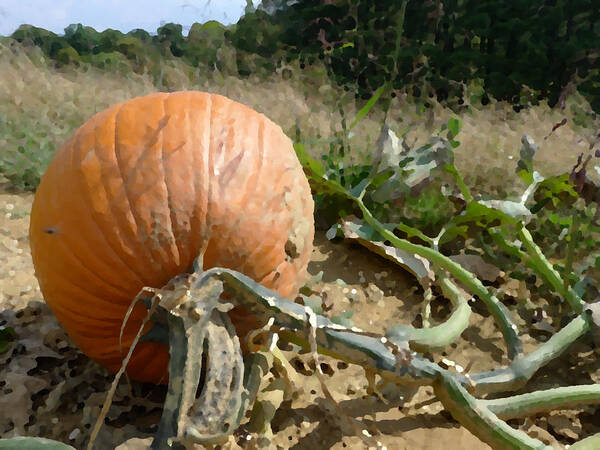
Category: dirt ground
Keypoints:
(48, 388)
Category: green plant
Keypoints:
(26, 156)
(190, 311)
(506, 221)
(7, 335)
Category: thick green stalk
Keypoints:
(548, 272)
(496, 308)
(391, 361)
(512, 249)
(536, 402)
(462, 186)
(411, 231)
(535, 259)
(509, 247)
(347, 344)
(522, 369)
(589, 443)
(479, 420)
(439, 336)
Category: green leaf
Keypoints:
(358, 189)
(452, 230)
(464, 190)
(334, 231)
(483, 215)
(7, 335)
(365, 109)
(317, 174)
(421, 162)
(525, 164)
(415, 169)
(355, 230)
(515, 210)
(388, 152)
(454, 125)
(312, 164)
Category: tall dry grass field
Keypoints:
(41, 106)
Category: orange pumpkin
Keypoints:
(145, 186)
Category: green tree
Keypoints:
(170, 36)
(108, 41)
(83, 39)
(204, 42)
(49, 42)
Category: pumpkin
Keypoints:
(146, 186)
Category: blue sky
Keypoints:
(123, 15)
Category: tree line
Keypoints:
(521, 51)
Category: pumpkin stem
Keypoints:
(205, 354)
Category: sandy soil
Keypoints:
(48, 388)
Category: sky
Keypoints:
(123, 15)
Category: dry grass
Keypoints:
(48, 104)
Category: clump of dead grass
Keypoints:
(43, 105)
